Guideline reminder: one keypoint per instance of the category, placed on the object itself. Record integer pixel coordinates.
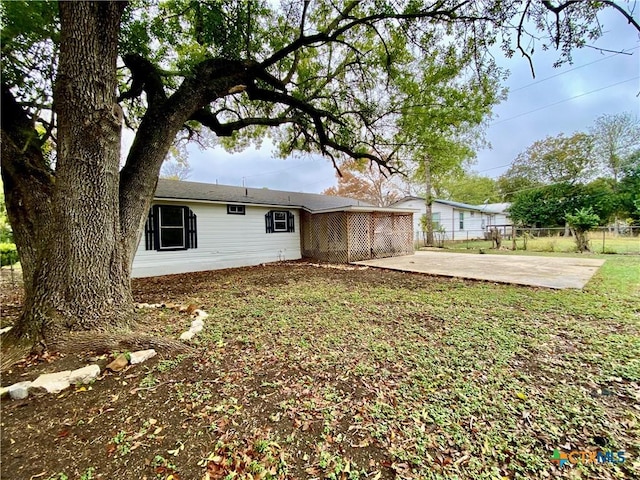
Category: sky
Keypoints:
(559, 100)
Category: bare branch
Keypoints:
(519, 41)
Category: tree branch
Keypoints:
(145, 78)
(209, 120)
(519, 42)
(327, 36)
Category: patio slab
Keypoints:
(537, 271)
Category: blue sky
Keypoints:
(596, 83)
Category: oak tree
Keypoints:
(324, 76)
(367, 182)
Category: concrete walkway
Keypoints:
(537, 271)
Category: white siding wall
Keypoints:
(224, 241)
(450, 220)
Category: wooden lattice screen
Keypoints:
(343, 237)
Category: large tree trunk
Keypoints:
(77, 261)
(77, 228)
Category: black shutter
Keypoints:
(291, 222)
(191, 234)
(150, 227)
(156, 227)
(268, 220)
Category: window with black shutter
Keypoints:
(171, 227)
(279, 221)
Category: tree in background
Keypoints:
(440, 127)
(556, 159)
(615, 139)
(548, 206)
(338, 78)
(628, 189)
(364, 181)
(469, 187)
(544, 206)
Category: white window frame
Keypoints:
(161, 227)
(236, 210)
(285, 221)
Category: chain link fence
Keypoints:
(626, 240)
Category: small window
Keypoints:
(235, 209)
(170, 227)
(461, 220)
(279, 221)
(435, 221)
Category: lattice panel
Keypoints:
(360, 236)
(348, 237)
(396, 235)
(325, 237)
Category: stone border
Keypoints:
(56, 382)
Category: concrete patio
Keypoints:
(536, 271)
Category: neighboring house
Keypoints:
(456, 220)
(199, 226)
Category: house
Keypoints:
(456, 220)
(198, 226)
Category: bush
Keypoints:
(8, 254)
(581, 222)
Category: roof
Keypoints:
(494, 207)
(451, 203)
(313, 202)
(489, 207)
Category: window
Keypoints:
(435, 221)
(172, 231)
(461, 220)
(279, 221)
(235, 209)
(170, 227)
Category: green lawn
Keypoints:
(306, 372)
(599, 243)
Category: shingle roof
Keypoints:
(451, 203)
(176, 189)
(494, 207)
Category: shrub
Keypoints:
(581, 222)
(8, 254)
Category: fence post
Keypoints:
(604, 231)
(467, 240)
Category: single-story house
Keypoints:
(198, 226)
(456, 220)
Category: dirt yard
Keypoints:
(311, 372)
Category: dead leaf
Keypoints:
(111, 448)
(118, 364)
(191, 308)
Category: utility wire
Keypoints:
(626, 51)
(566, 100)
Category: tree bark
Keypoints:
(75, 259)
(428, 202)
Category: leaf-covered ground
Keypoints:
(308, 372)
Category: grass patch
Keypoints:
(309, 372)
(607, 244)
